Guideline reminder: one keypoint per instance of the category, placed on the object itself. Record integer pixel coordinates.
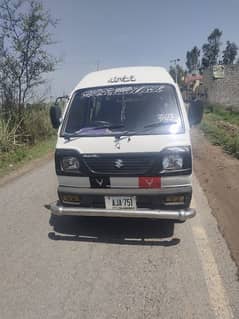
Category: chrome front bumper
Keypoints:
(180, 214)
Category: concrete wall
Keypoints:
(223, 91)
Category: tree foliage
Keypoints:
(230, 53)
(24, 41)
(211, 49)
(192, 59)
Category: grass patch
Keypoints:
(222, 128)
(219, 112)
(9, 161)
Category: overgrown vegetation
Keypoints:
(24, 39)
(18, 138)
(24, 60)
(222, 128)
(9, 161)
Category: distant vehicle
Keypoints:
(124, 148)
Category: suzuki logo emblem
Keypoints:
(119, 163)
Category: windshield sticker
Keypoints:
(167, 117)
(123, 90)
(125, 78)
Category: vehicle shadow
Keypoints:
(123, 231)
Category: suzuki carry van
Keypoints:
(123, 147)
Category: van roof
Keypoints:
(125, 75)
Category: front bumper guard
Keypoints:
(180, 214)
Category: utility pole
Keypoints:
(176, 71)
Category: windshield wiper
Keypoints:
(118, 135)
(145, 128)
(156, 124)
(109, 126)
(104, 125)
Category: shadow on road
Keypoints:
(113, 230)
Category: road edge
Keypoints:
(26, 168)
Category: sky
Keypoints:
(113, 33)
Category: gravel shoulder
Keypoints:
(218, 174)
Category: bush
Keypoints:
(222, 129)
(36, 125)
(8, 135)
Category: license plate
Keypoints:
(120, 202)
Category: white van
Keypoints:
(124, 148)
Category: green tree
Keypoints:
(24, 58)
(192, 59)
(230, 53)
(211, 49)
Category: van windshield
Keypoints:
(142, 109)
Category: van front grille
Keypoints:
(119, 165)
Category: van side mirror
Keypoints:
(55, 115)
(55, 111)
(195, 112)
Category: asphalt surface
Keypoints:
(109, 268)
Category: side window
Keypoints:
(77, 114)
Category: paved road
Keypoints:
(106, 268)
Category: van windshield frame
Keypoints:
(125, 98)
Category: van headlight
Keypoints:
(176, 160)
(172, 161)
(70, 164)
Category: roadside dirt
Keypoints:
(25, 168)
(218, 174)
